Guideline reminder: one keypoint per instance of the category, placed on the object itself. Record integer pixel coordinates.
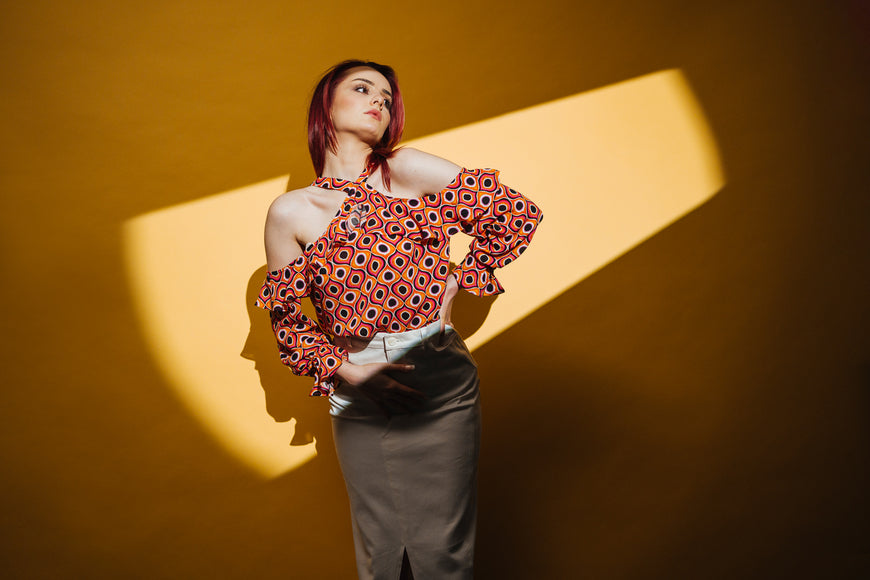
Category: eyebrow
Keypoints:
(368, 82)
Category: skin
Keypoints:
(360, 114)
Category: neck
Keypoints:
(348, 161)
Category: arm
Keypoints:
(282, 245)
(302, 345)
(500, 219)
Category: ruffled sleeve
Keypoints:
(302, 345)
(500, 219)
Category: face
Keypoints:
(361, 104)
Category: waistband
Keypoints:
(390, 340)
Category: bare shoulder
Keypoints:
(421, 172)
(285, 225)
(287, 207)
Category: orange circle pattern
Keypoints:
(382, 264)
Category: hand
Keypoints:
(451, 289)
(373, 382)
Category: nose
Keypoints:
(379, 101)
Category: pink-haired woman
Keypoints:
(368, 244)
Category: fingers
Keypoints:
(403, 367)
(391, 388)
(356, 375)
(375, 382)
(451, 289)
(444, 314)
(388, 393)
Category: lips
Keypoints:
(374, 113)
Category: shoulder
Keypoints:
(285, 221)
(290, 206)
(420, 171)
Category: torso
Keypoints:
(374, 261)
(372, 258)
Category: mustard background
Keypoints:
(698, 408)
(623, 192)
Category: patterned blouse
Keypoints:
(382, 263)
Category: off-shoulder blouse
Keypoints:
(382, 264)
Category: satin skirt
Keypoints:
(412, 476)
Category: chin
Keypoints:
(373, 139)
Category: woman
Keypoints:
(368, 243)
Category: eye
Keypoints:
(364, 89)
(388, 103)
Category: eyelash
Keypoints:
(388, 103)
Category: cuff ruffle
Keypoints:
(477, 278)
(328, 359)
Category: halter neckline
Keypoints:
(340, 182)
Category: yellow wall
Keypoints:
(696, 408)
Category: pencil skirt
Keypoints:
(411, 476)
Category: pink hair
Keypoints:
(321, 131)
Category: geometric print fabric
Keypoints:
(382, 263)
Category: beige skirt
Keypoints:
(412, 476)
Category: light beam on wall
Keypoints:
(609, 168)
